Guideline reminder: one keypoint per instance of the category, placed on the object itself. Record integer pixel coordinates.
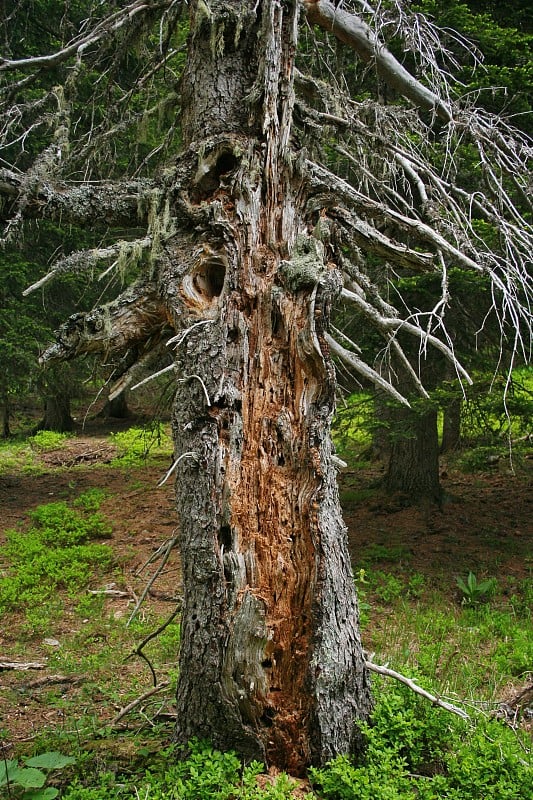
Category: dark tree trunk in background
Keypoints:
(413, 466)
(381, 430)
(117, 408)
(271, 661)
(57, 415)
(451, 427)
(6, 414)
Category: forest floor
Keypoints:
(485, 526)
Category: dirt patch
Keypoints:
(485, 525)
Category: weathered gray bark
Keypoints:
(271, 661)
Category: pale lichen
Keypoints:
(306, 265)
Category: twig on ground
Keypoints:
(390, 673)
(138, 701)
(166, 550)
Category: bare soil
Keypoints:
(485, 525)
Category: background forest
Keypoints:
(436, 497)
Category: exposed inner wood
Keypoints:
(274, 489)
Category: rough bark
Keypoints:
(124, 328)
(6, 414)
(40, 197)
(271, 660)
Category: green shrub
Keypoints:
(48, 440)
(136, 444)
(206, 774)
(55, 553)
(415, 750)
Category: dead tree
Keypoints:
(247, 238)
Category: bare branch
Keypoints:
(134, 703)
(106, 202)
(423, 232)
(81, 43)
(390, 673)
(396, 324)
(354, 32)
(155, 356)
(352, 360)
(83, 260)
(136, 320)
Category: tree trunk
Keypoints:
(451, 427)
(413, 466)
(6, 414)
(271, 662)
(117, 408)
(381, 430)
(57, 415)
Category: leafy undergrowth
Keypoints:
(449, 607)
(56, 552)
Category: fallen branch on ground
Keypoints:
(390, 673)
(138, 701)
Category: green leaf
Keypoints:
(27, 777)
(41, 794)
(51, 760)
(6, 770)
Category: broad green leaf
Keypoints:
(27, 777)
(6, 770)
(41, 794)
(51, 760)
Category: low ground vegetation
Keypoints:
(447, 601)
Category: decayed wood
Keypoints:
(136, 319)
(269, 604)
(21, 665)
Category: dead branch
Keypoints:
(21, 665)
(84, 260)
(126, 710)
(136, 320)
(52, 680)
(104, 28)
(356, 363)
(104, 202)
(354, 32)
(390, 673)
(396, 324)
(162, 552)
(139, 650)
